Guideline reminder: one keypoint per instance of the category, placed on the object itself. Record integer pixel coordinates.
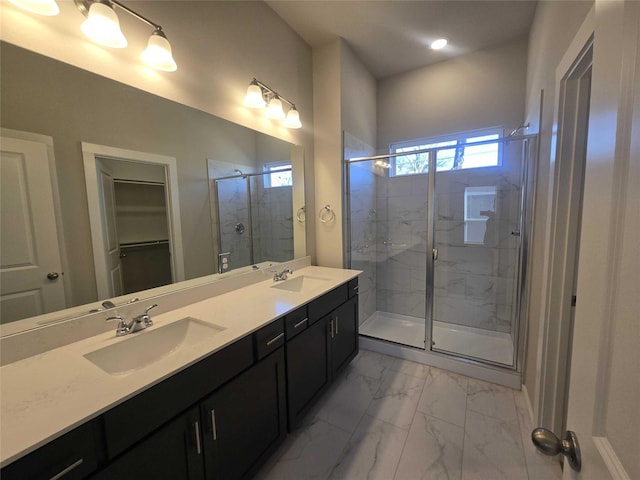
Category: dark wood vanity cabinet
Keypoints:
(220, 418)
(245, 420)
(226, 436)
(327, 342)
(308, 369)
(74, 455)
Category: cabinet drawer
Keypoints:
(129, 422)
(353, 287)
(269, 338)
(319, 307)
(75, 455)
(295, 322)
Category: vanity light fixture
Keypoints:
(48, 8)
(259, 95)
(103, 27)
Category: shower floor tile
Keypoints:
(495, 347)
(395, 328)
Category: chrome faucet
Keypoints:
(282, 275)
(138, 323)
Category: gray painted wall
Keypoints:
(480, 90)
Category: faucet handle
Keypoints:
(122, 328)
(146, 312)
(146, 317)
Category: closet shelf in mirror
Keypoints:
(140, 209)
(144, 244)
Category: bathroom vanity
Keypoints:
(249, 365)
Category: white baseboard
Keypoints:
(528, 404)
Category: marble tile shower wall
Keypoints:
(362, 221)
(272, 210)
(401, 205)
(475, 282)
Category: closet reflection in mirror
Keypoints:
(71, 107)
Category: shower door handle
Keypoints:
(435, 254)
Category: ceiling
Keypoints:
(393, 36)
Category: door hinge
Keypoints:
(573, 300)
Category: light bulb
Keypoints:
(254, 98)
(158, 53)
(439, 43)
(102, 26)
(293, 119)
(274, 109)
(48, 8)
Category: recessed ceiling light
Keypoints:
(438, 44)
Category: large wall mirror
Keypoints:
(149, 184)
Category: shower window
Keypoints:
(461, 156)
(278, 175)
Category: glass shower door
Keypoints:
(476, 273)
(388, 242)
(234, 219)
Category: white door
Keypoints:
(111, 245)
(604, 388)
(30, 266)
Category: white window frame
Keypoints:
(460, 138)
(272, 168)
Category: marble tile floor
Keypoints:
(472, 342)
(391, 419)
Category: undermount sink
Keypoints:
(144, 348)
(296, 284)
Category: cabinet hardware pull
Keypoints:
(196, 428)
(331, 325)
(337, 325)
(300, 322)
(356, 288)
(275, 339)
(214, 430)
(74, 465)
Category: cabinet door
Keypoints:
(72, 456)
(344, 334)
(308, 369)
(174, 451)
(245, 420)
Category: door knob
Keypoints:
(546, 442)
(53, 275)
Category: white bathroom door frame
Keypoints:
(604, 386)
(568, 159)
(92, 154)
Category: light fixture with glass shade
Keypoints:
(259, 95)
(102, 26)
(293, 118)
(48, 8)
(274, 109)
(158, 53)
(254, 97)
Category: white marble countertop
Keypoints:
(47, 395)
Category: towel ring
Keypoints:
(301, 214)
(327, 215)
